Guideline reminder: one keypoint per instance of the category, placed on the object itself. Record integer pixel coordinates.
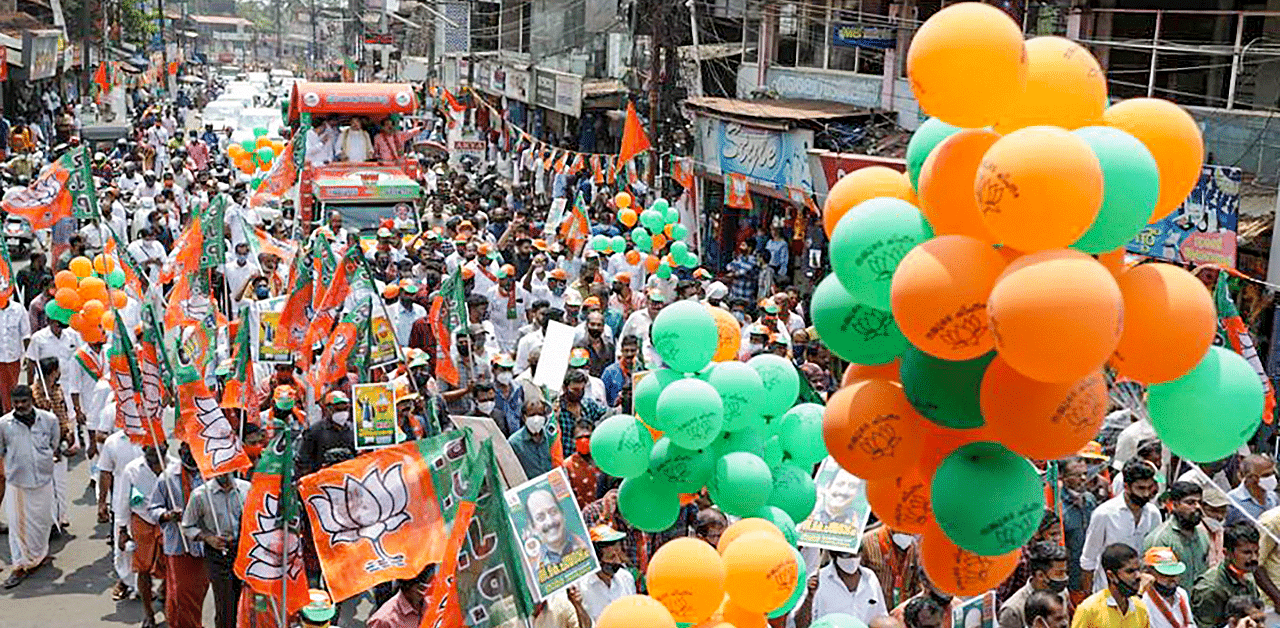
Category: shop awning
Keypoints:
(786, 109)
(220, 20)
(598, 88)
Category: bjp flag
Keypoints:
(375, 518)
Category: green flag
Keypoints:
(213, 227)
(84, 195)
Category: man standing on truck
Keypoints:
(320, 140)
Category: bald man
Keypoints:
(1257, 491)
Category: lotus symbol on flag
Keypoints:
(365, 508)
(220, 442)
(266, 555)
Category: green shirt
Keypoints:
(1192, 549)
(1212, 590)
(534, 456)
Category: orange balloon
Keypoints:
(1169, 323)
(627, 216)
(93, 310)
(1174, 139)
(93, 288)
(730, 333)
(81, 266)
(687, 576)
(871, 429)
(940, 441)
(651, 263)
(1039, 188)
(666, 259)
(103, 264)
(961, 572)
(667, 230)
(247, 167)
(967, 64)
(939, 296)
(743, 527)
(108, 321)
(946, 184)
(1113, 261)
(277, 147)
(68, 298)
(861, 185)
(738, 617)
(623, 201)
(902, 502)
(93, 334)
(858, 372)
(760, 571)
(635, 611)
(1065, 87)
(633, 257)
(66, 279)
(659, 241)
(77, 322)
(263, 142)
(1040, 420)
(1056, 315)
(119, 299)
(235, 151)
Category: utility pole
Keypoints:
(279, 51)
(657, 10)
(315, 48)
(84, 43)
(164, 52)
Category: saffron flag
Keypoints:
(737, 193)
(448, 314)
(575, 229)
(201, 423)
(634, 140)
(102, 78)
(453, 102)
(1233, 333)
(240, 391)
(132, 273)
(184, 259)
(282, 175)
(44, 202)
(345, 347)
(375, 518)
(126, 382)
(270, 549)
(296, 315)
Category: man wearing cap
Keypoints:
(55, 340)
(638, 325)
(406, 313)
(1048, 565)
(508, 396)
(580, 358)
(1232, 577)
(573, 309)
(483, 265)
(329, 440)
(769, 320)
(29, 439)
(623, 297)
(1182, 531)
(612, 581)
(506, 309)
(319, 611)
(554, 290)
(596, 338)
(1168, 604)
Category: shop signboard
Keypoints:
(854, 35)
(40, 53)
(776, 159)
(498, 79)
(544, 89)
(569, 94)
(1203, 229)
(484, 71)
(517, 85)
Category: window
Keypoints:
(751, 40)
(869, 21)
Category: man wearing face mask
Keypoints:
(584, 475)
(895, 559)
(1078, 504)
(597, 342)
(240, 269)
(1257, 492)
(1117, 605)
(1125, 518)
(1232, 577)
(1167, 604)
(613, 581)
(1048, 564)
(533, 444)
(1045, 610)
(331, 432)
(408, 312)
(1182, 531)
(842, 586)
(533, 335)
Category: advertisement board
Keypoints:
(1203, 229)
(40, 53)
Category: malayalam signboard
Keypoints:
(1203, 229)
(554, 545)
(853, 35)
(841, 513)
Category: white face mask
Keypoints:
(504, 378)
(485, 406)
(903, 541)
(848, 564)
(341, 417)
(1268, 482)
(535, 423)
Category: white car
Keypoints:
(246, 120)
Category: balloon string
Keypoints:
(1234, 273)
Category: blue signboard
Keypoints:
(854, 35)
(1203, 229)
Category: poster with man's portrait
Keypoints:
(976, 612)
(840, 515)
(551, 534)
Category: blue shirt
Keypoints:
(779, 254)
(167, 496)
(1250, 505)
(614, 381)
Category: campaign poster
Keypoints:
(840, 515)
(550, 532)
(384, 341)
(977, 612)
(375, 414)
(1203, 229)
(268, 323)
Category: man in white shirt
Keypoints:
(239, 270)
(842, 586)
(1125, 518)
(117, 452)
(149, 253)
(638, 325)
(15, 333)
(507, 305)
(612, 581)
(320, 139)
(134, 522)
(405, 313)
(54, 341)
(353, 143)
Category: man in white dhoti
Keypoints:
(28, 440)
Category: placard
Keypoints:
(375, 415)
(268, 323)
(551, 534)
(1202, 230)
(977, 612)
(384, 341)
(553, 363)
(840, 515)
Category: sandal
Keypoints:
(15, 579)
(120, 592)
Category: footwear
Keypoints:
(149, 622)
(15, 579)
(120, 592)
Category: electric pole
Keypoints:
(164, 53)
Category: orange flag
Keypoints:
(202, 424)
(375, 518)
(634, 140)
(441, 609)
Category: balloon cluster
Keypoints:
(659, 229)
(982, 293)
(255, 155)
(752, 575)
(706, 420)
(85, 294)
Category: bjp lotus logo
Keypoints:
(367, 508)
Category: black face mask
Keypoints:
(610, 568)
(1125, 589)
(595, 333)
(1165, 590)
(942, 599)
(1189, 521)
(1058, 586)
(1138, 500)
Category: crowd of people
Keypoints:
(1135, 538)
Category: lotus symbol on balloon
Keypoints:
(365, 508)
(868, 322)
(966, 328)
(880, 439)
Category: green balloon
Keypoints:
(646, 395)
(1130, 186)
(740, 390)
(660, 205)
(987, 499)
(797, 592)
(599, 242)
(838, 620)
(679, 231)
(1212, 410)
(639, 233)
(793, 491)
(57, 312)
(249, 146)
(663, 272)
(116, 278)
(687, 470)
(868, 243)
(741, 483)
(671, 214)
(854, 332)
(643, 244)
(620, 446)
(259, 131)
(653, 220)
(773, 453)
(782, 520)
(930, 134)
(944, 391)
(691, 261)
(618, 243)
(781, 383)
(691, 413)
(685, 336)
(679, 250)
(265, 154)
(801, 434)
(750, 440)
(648, 504)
